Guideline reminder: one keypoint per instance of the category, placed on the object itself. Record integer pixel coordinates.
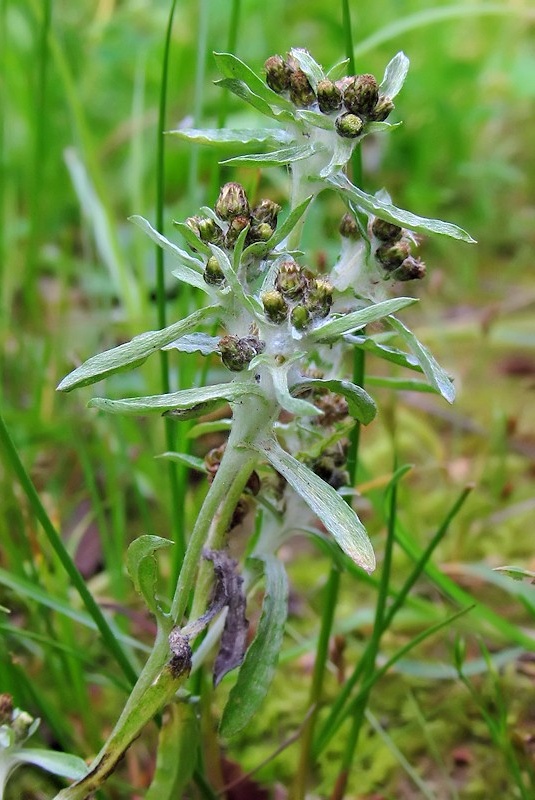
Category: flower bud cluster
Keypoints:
(234, 215)
(237, 353)
(298, 295)
(355, 99)
(393, 251)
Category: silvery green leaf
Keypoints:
(192, 238)
(192, 342)
(131, 354)
(339, 70)
(233, 136)
(400, 384)
(358, 319)
(186, 459)
(142, 567)
(342, 152)
(311, 68)
(395, 74)
(316, 119)
(63, 764)
(248, 301)
(190, 269)
(292, 404)
(185, 404)
(384, 351)
(360, 404)
(334, 513)
(259, 249)
(379, 127)
(232, 68)
(258, 668)
(286, 155)
(434, 373)
(241, 90)
(372, 205)
(215, 426)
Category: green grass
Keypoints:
(76, 487)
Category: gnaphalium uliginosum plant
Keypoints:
(284, 335)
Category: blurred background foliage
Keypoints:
(79, 97)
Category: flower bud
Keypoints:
(382, 109)
(232, 202)
(266, 211)
(392, 256)
(6, 708)
(412, 269)
(275, 307)
(329, 96)
(277, 74)
(213, 274)
(234, 229)
(301, 92)
(319, 298)
(291, 280)
(261, 232)
(205, 228)
(348, 227)
(348, 125)
(21, 723)
(236, 353)
(300, 317)
(386, 231)
(361, 96)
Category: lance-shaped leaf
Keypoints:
(311, 68)
(316, 119)
(390, 213)
(192, 342)
(400, 384)
(434, 373)
(247, 301)
(358, 319)
(360, 405)
(131, 354)
(233, 136)
(191, 238)
(63, 764)
(179, 736)
(187, 459)
(186, 404)
(190, 269)
(232, 68)
(277, 158)
(258, 669)
(395, 74)
(142, 568)
(334, 513)
(258, 249)
(383, 351)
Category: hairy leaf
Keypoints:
(192, 342)
(395, 74)
(434, 373)
(335, 514)
(258, 669)
(358, 319)
(388, 212)
(276, 158)
(232, 68)
(131, 354)
(142, 567)
(232, 136)
(311, 68)
(63, 764)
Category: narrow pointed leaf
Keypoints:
(311, 68)
(358, 319)
(231, 67)
(261, 248)
(62, 764)
(292, 404)
(316, 119)
(334, 513)
(383, 351)
(395, 74)
(233, 136)
(400, 384)
(258, 668)
(178, 738)
(434, 373)
(133, 353)
(191, 238)
(187, 459)
(186, 404)
(390, 213)
(185, 258)
(247, 301)
(361, 406)
(338, 70)
(192, 342)
(277, 158)
(143, 569)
